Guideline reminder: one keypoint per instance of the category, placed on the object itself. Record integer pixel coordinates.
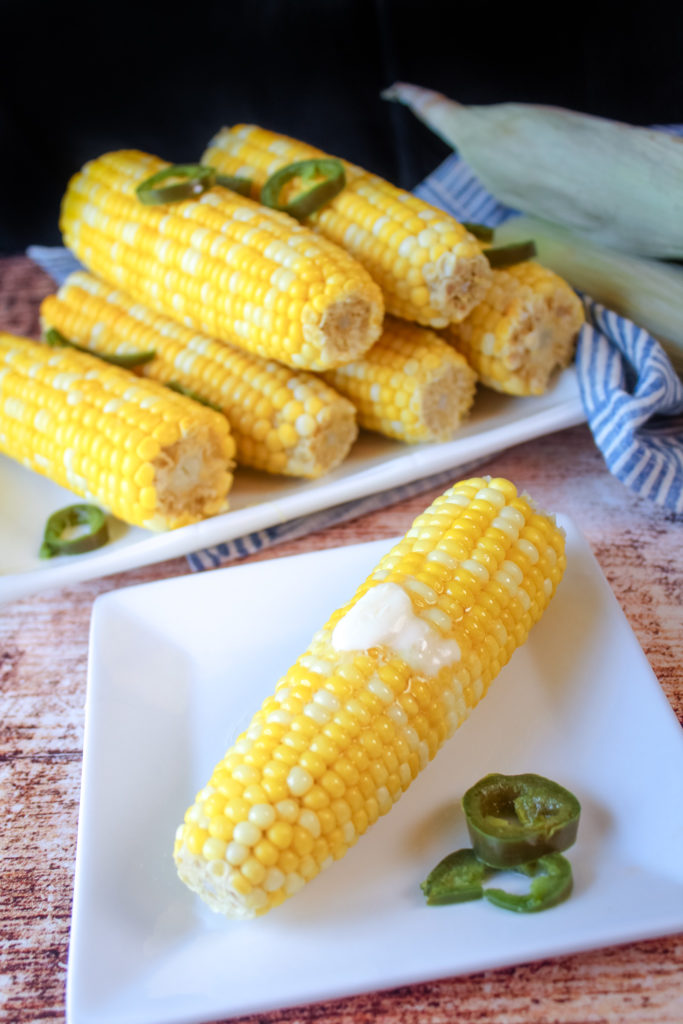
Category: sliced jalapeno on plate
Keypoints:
(456, 879)
(514, 819)
(67, 519)
(551, 883)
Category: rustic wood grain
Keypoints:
(43, 660)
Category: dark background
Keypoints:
(77, 79)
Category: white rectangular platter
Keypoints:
(258, 500)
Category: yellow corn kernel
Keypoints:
(223, 265)
(409, 385)
(89, 427)
(430, 269)
(396, 707)
(523, 330)
(315, 426)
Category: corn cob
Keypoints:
(411, 385)
(282, 420)
(153, 458)
(430, 268)
(223, 265)
(382, 685)
(648, 292)
(524, 329)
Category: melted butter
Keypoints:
(384, 616)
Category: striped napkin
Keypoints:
(631, 394)
(634, 405)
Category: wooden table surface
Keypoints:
(43, 659)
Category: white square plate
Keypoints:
(176, 670)
(258, 500)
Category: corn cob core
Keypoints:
(223, 265)
(411, 385)
(348, 729)
(431, 270)
(282, 420)
(524, 329)
(153, 458)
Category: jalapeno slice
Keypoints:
(198, 178)
(552, 883)
(236, 183)
(455, 879)
(303, 204)
(128, 360)
(514, 819)
(69, 518)
(459, 878)
(480, 231)
(194, 395)
(506, 255)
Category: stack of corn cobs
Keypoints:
(243, 333)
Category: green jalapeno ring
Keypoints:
(128, 360)
(455, 879)
(459, 878)
(236, 183)
(307, 202)
(514, 819)
(552, 883)
(199, 179)
(507, 255)
(69, 518)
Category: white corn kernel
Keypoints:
(299, 781)
(293, 883)
(288, 810)
(319, 714)
(247, 833)
(309, 821)
(274, 880)
(493, 496)
(528, 549)
(236, 854)
(381, 690)
(262, 815)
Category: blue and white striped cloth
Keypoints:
(634, 404)
(631, 393)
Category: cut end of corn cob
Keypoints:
(411, 385)
(344, 329)
(430, 269)
(283, 421)
(381, 686)
(187, 476)
(153, 458)
(524, 330)
(223, 265)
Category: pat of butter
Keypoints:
(384, 616)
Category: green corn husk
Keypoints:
(648, 292)
(618, 184)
